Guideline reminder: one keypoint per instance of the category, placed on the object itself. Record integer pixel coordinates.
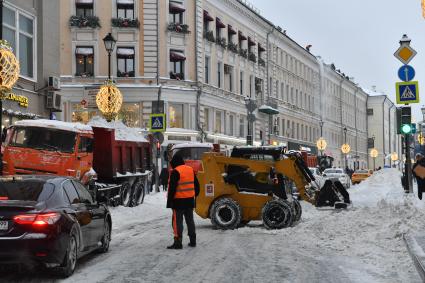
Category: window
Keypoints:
(283, 127)
(242, 126)
(282, 89)
(86, 144)
(228, 77)
(176, 12)
(231, 125)
(218, 119)
(125, 62)
(219, 74)
(207, 119)
(70, 192)
(277, 89)
(370, 111)
(177, 60)
(84, 8)
(84, 195)
(25, 190)
(175, 113)
(130, 114)
(251, 78)
(84, 61)
(207, 70)
(241, 83)
(18, 30)
(125, 9)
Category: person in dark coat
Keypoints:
(182, 190)
(420, 161)
(163, 177)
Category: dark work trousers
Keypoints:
(178, 222)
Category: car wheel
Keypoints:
(70, 261)
(125, 194)
(225, 214)
(277, 214)
(297, 210)
(106, 239)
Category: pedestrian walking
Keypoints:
(419, 173)
(182, 190)
(163, 177)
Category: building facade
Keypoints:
(32, 30)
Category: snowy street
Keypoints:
(363, 244)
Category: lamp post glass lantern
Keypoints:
(374, 154)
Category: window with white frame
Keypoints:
(125, 62)
(18, 29)
(242, 126)
(218, 121)
(84, 8)
(176, 12)
(177, 59)
(207, 125)
(84, 61)
(125, 9)
(175, 114)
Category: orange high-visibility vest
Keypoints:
(186, 184)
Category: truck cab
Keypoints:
(192, 153)
(48, 147)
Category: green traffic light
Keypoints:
(406, 129)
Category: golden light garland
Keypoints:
(9, 67)
(345, 148)
(373, 153)
(394, 156)
(321, 144)
(109, 100)
(423, 8)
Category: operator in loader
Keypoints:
(182, 189)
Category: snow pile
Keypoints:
(122, 132)
(66, 126)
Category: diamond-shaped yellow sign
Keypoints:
(405, 53)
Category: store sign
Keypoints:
(89, 97)
(22, 100)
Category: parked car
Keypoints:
(360, 175)
(318, 176)
(50, 220)
(337, 174)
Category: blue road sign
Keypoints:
(157, 123)
(407, 92)
(406, 73)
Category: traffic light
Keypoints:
(158, 149)
(406, 120)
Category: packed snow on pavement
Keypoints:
(363, 244)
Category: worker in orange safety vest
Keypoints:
(183, 187)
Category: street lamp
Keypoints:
(394, 156)
(109, 97)
(321, 127)
(373, 153)
(345, 148)
(321, 145)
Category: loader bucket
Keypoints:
(332, 194)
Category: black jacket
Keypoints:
(180, 203)
(164, 176)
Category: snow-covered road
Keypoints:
(363, 244)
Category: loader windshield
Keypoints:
(43, 139)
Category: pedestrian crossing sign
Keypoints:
(407, 92)
(157, 123)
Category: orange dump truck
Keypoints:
(117, 169)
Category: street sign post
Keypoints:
(406, 73)
(405, 53)
(157, 123)
(407, 92)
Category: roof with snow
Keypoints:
(54, 124)
(193, 144)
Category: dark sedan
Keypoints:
(50, 220)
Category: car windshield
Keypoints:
(26, 190)
(362, 172)
(333, 171)
(43, 138)
(191, 153)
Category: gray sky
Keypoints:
(359, 37)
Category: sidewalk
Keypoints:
(416, 247)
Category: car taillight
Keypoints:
(37, 220)
(4, 198)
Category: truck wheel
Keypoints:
(297, 209)
(277, 214)
(138, 193)
(225, 213)
(125, 194)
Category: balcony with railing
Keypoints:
(179, 28)
(84, 22)
(125, 23)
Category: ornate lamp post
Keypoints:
(345, 148)
(109, 97)
(373, 153)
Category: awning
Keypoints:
(219, 23)
(84, 51)
(207, 17)
(241, 36)
(231, 30)
(125, 2)
(261, 48)
(268, 110)
(250, 42)
(85, 2)
(177, 56)
(125, 51)
(176, 8)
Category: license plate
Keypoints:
(4, 225)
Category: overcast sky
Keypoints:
(359, 37)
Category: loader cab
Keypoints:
(271, 153)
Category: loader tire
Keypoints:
(126, 194)
(138, 193)
(225, 214)
(277, 214)
(298, 210)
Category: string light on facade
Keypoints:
(109, 100)
(9, 67)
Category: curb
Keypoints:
(418, 260)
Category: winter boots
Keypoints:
(192, 242)
(177, 245)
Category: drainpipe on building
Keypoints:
(268, 81)
(383, 128)
(199, 88)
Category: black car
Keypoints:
(50, 220)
